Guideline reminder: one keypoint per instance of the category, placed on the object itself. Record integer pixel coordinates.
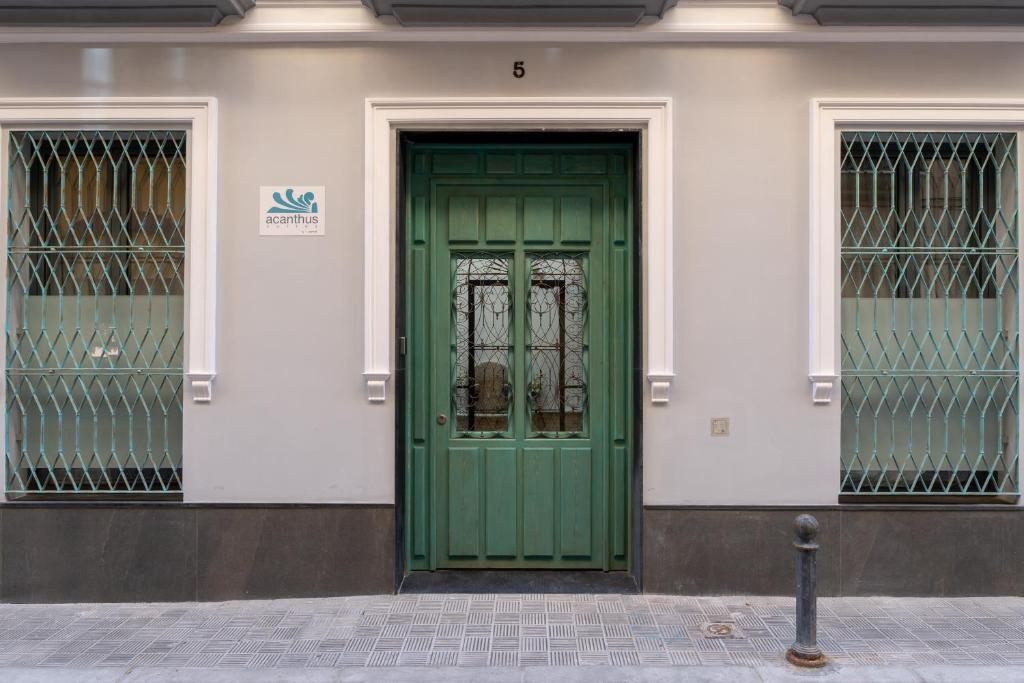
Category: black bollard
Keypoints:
(805, 650)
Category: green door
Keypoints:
(519, 319)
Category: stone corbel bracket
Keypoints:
(821, 388)
(376, 386)
(661, 385)
(202, 387)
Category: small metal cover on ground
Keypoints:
(720, 629)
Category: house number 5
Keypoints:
(518, 69)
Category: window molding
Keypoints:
(386, 117)
(198, 115)
(828, 118)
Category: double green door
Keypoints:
(519, 328)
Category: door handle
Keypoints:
(442, 418)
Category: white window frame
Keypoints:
(651, 116)
(830, 117)
(198, 116)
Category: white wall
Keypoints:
(289, 420)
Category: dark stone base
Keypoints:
(899, 550)
(518, 581)
(113, 552)
(99, 552)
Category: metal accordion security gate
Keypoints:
(95, 311)
(930, 313)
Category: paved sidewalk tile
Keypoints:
(510, 633)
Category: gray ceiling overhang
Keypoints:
(120, 12)
(910, 12)
(519, 12)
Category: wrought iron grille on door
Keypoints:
(483, 320)
(930, 319)
(557, 345)
(95, 311)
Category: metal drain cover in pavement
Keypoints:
(719, 629)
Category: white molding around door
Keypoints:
(386, 117)
(197, 115)
(828, 118)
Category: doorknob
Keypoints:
(441, 418)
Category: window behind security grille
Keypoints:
(95, 311)
(930, 328)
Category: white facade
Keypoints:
(289, 419)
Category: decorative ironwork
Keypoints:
(556, 392)
(482, 391)
(95, 311)
(930, 321)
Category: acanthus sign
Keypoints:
(292, 210)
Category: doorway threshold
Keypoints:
(518, 581)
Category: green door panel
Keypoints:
(576, 502)
(539, 510)
(500, 219)
(519, 291)
(502, 506)
(577, 216)
(464, 480)
(463, 218)
(538, 219)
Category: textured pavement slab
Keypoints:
(585, 638)
(548, 674)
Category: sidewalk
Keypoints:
(530, 638)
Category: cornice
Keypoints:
(344, 21)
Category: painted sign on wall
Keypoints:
(292, 210)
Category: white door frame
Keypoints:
(652, 117)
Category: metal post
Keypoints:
(805, 650)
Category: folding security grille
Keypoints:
(930, 328)
(95, 311)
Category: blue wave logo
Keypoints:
(289, 203)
